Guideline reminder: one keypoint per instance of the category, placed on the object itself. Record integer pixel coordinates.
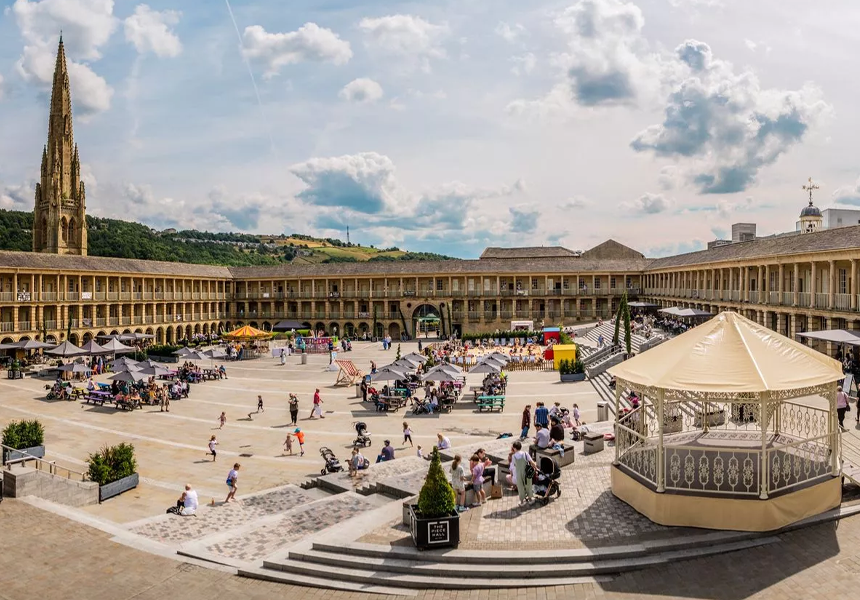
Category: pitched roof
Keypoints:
(67, 262)
(610, 249)
(527, 252)
(405, 268)
(842, 238)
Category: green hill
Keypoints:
(123, 239)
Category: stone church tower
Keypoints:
(59, 223)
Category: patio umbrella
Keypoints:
(439, 375)
(195, 355)
(128, 376)
(450, 369)
(116, 347)
(492, 361)
(385, 374)
(66, 349)
(26, 345)
(126, 367)
(405, 364)
(75, 368)
(485, 367)
(215, 353)
(183, 352)
(151, 371)
(92, 348)
(414, 356)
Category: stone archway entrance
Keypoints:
(426, 320)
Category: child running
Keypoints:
(232, 479)
(288, 444)
(222, 419)
(300, 437)
(407, 434)
(212, 443)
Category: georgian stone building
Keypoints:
(790, 283)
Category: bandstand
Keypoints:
(737, 429)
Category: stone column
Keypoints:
(853, 284)
(781, 283)
(796, 290)
(813, 286)
(831, 288)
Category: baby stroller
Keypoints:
(332, 464)
(545, 480)
(363, 435)
(420, 407)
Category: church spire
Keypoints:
(60, 220)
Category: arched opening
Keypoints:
(188, 332)
(320, 326)
(206, 329)
(7, 341)
(88, 336)
(168, 335)
(394, 331)
(159, 335)
(73, 339)
(64, 229)
(266, 326)
(363, 329)
(380, 330)
(44, 232)
(197, 328)
(306, 325)
(254, 324)
(72, 237)
(333, 329)
(349, 329)
(425, 320)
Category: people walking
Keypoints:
(212, 443)
(841, 406)
(288, 444)
(407, 434)
(317, 407)
(232, 482)
(259, 404)
(458, 482)
(541, 415)
(526, 422)
(222, 420)
(294, 409)
(300, 438)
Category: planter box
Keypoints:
(14, 374)
(439, 532)
(115, 488)
(37, 451)
(573, 377)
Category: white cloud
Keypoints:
(575, 203)
(87, 24)
(17, 197)
(510, 33)
(848, 194)
(362, 90)
(608, 61)
(309, 43)
(758, 46)
(407, 36)
(524, 64)
(151, 31)
(649, 204)
(724, 126)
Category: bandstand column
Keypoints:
(661, 455)
(763, 404)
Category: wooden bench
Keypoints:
(98, 399)
(491, 403)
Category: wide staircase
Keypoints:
(379, 568)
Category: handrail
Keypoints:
(40, 462)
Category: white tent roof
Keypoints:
(840, 336)
(685, 312)
(730, 354)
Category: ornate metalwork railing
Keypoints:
(729, 471)
(798, 462)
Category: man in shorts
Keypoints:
(232, 481)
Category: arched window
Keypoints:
(72, 231)
(44, 232)
(64, 229)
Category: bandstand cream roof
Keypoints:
(729, 354)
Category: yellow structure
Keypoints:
(562, 352)
(736, 429)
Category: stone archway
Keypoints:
(425, 311)
(349, 329)
(73, 339)
(394, 331)
(159, 335)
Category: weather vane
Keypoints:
(810, 187)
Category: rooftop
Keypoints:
(528, 252)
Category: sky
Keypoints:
(443, 126)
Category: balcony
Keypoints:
(804, 299)
(48, 296)
(843, 301)
(456, 315)
(822, 300)
(24, 325)
(474, 315)
(7, 326)
(754, 297)
(788, 298)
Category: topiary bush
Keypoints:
(23, 434)
(112, 463)
(436, 498)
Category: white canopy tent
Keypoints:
(677, 311)
(837, 336)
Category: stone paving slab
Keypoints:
(269, 538)
(171, 529)
(365, 480)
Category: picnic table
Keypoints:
(99, 397)
(491, 403)
(402, 392)
(127, 403)
(211, 374)
(105, 387)
(393, 403)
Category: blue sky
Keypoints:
(444, 126)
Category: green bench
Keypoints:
(491, 403)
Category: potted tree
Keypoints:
(26, 436)
(15, 370)
(433, 521)
(114, 468)
(571, 370)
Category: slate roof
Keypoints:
(842, 238)
(102, 264)
(527, 252)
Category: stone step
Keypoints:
(561, 556)
(369, 577)
(324, 583)
(420, 574)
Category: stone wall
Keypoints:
(21, 481)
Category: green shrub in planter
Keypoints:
(112, 463)
(23, 434)
(162, 349)
(577, 366)
(436, 498)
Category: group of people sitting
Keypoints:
(359, 462)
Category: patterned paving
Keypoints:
(171, 529)
(267, 539)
